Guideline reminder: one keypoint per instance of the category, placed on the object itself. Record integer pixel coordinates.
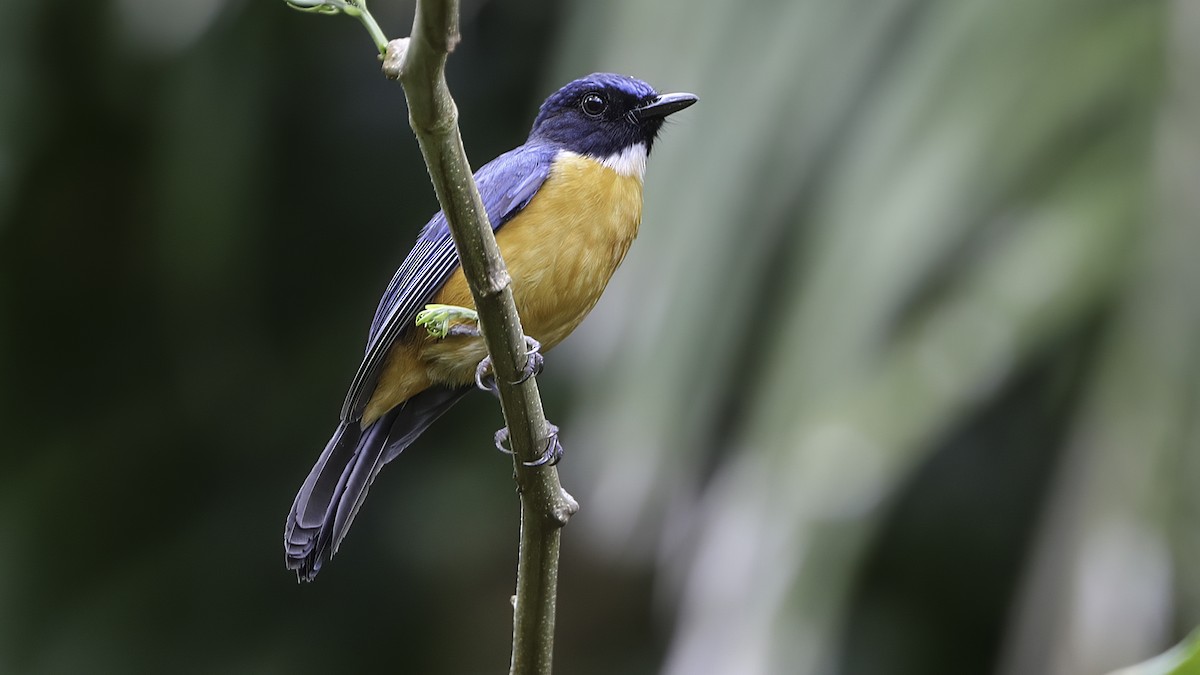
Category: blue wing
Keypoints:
(506, 184)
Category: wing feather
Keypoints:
(506, 185)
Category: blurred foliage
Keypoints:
(1182, 659)
(900, 376)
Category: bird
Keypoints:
(565, 207)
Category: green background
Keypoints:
(900, 376)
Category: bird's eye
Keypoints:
(593, 105)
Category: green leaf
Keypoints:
(437, 318)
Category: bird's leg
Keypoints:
(550, 455)
(533, 365)
(450, 320)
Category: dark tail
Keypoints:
(337, 484)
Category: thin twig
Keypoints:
(418, 63)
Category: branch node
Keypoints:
(497, 282)
(393, 60)
(442, 124)
(563, 508)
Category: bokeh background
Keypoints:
(900, 377)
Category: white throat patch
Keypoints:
(629, 162)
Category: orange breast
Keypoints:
(563, 248)
(561, 251)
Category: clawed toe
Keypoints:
(502, 439)
(551, 455)
(553, 451)
(483, 378)
(533, 360)
(486, 380)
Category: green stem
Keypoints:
(368, 21)
(419, 63)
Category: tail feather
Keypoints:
(338, 483)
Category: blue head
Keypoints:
(604, 114)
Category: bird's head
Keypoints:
(606, 117)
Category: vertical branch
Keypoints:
(418, 63)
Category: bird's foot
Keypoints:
(552, 453)
(443, 321)
(534, 360)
